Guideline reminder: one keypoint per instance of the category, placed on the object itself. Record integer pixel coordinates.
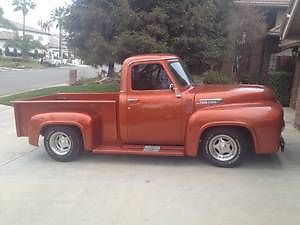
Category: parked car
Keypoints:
(157, 112)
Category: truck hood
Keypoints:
(227, 94)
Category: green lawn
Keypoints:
(52, 90)
(19, 63)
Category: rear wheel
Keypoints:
(224, 147)
(63, 143)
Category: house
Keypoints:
(36, 34)
(266, 55)
(10, 29)
(4, 37)
(290, 41)
(53, 47)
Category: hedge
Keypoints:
(281, 83)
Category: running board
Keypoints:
(140, 150)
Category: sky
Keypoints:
(41, 12)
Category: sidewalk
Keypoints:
(11, 147)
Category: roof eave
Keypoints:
(289, 18)
(283, 4)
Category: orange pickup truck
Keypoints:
(157, 112)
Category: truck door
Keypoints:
(154, 113)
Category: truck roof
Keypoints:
(149, 57)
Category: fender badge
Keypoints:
(210, 101)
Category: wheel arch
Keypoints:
(194, 138)
(243, 129)
(73, 126)
(82, 122)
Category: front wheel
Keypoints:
(224, 147)
(63, 143)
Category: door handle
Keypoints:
(132, 100)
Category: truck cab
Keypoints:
(158, 111)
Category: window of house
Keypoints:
(149, 77)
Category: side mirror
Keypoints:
(175, 89)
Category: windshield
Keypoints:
(181, 75)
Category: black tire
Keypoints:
(55, 136)
(236, 147)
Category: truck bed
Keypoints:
(102, 107)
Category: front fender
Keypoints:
(203, 119)
(81, 120)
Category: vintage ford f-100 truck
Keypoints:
(158, 111)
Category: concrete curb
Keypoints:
(34, 89)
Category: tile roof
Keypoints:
(18, 26)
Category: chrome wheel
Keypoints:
(223, 147)
(60, 143)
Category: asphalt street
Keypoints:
(16, 81)
(132, 190)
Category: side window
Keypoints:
(149, 77)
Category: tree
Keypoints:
(58, 15)
(24, 6)
(25, 45)
(45, 25)
(108, 31)
(247, 25)
(192, 29)
(94, 27)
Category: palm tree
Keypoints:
(45, 25)
(58, 15)
(24, 6)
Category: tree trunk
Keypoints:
(111, 71)
(24, 26)
(60, 41)
(24, 54)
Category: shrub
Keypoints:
(35, 54)
(1, 52)
(281, 83)
(6, 52)
(217, 78)
(248, 79)
(20, 60)
(15, 52)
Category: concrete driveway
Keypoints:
(107, 190)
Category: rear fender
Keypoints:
(202, 120)
(80, 120)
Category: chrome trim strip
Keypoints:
(209, 101)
